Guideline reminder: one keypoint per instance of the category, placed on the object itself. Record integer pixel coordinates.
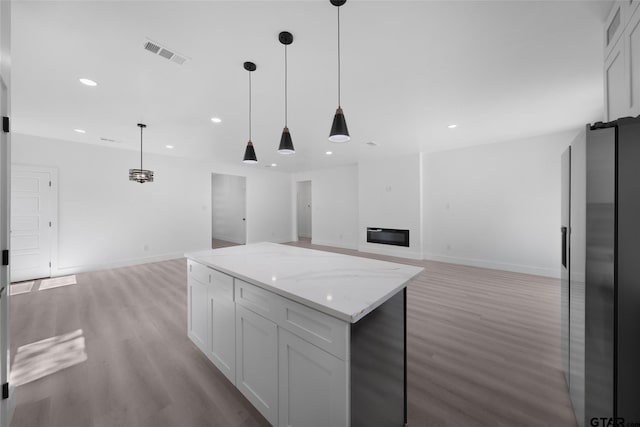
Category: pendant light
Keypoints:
(249, 152)
(286, 144)
(339, 131)
(141, 175)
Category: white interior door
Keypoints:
(32, 220)
(304, 209)
(228, 208)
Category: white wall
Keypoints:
(497, 205)
(390, 196)
(105, 220)
(334, 194)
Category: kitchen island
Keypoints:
(311, 338)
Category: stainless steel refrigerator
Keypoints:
(600, 280)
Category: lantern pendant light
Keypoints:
(339, 131)
(286, 144)
(250, 152)
(141, 175)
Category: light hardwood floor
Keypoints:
(483, 350)
(217, 244)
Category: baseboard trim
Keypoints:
(516, 268)
(390, 251)
(333, 244)
(63, 271)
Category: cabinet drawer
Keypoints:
(221, 285)
(198, 272)
(322, 330)
(256, 299)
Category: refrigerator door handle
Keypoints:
(563, 230)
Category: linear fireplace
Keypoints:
(388, 236)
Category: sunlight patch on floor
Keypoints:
(41, 358)
(56, 282)
(21, 288)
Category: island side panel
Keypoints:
(378, 366)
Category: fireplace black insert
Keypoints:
(388, 236)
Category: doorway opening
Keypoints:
(304, 211)
(228, 210)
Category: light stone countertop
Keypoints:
(343, 286)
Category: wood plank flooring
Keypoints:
(483, 350)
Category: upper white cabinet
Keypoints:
(613, 27)
(632, 41)
(622, 60)
(616, 87)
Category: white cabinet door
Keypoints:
(617, 97)
(222, 337)
(198, 314)
(257, 361)
(632, 40)
(313, 385)
(614, 26)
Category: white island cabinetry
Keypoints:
(302, 329)
(257, 362)
(211, 323)
(221, 315)
(198, 284)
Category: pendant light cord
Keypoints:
(285, 86)
(249, 106)
(140, 147)
(338, 56)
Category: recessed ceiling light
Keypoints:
(452, 126)
(169, 146)
(88, 82)
(80, 130)
(328, 153)
(216, 119)
(273, 165)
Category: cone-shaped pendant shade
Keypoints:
(286, 144)
(250, 154)
(339, 131)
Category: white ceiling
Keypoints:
(500, 70)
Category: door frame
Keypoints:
(7, 405)
(53, 236)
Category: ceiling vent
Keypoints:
(166, 53)
(158, 49)
(152, 47)
(178, 59)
